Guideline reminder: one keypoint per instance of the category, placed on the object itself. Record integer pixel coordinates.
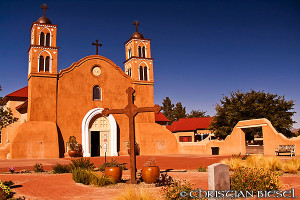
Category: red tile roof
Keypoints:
(159, 117)
(19, 95)
(190, 124)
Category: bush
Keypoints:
(290, 166)
(112, 163)
(5, 191)
(172, 192)
(164, 180)
(38, 167)
(87, 177)
(59, 168)
(254, 179)
(84, 163)
(201, 169)
(131, 194)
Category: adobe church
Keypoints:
(57, 105)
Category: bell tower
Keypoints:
(139, 64)
(42, 70)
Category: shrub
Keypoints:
(271, 163)
(81, 176)
(291, 166)
(84, 163)
(5, 191)
(87, 177)
(254, 179)
(164, 180)
(38, 167)
(172, 192)
(59, 168)
(131, 194)
(201, 169)
(112, 163)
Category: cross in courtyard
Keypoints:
(136, 23)
(97, 45)
(131, 111)
(44, 7)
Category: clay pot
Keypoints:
(115, 173)
(72, 153)
(150, 174)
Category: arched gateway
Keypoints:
(95, 131)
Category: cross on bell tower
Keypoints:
(136, 23)
(97, 45)
(44, 7)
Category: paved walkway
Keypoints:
(62, 187)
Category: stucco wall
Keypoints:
(35, 139)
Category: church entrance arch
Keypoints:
(99, 133)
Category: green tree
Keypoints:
(167, 109)
(179, 111)
(197, 113)
(6, 116)
(253, 105)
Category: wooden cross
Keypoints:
(131, 111)
(44, 7)
(136, 23)
(97, 45)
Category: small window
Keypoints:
(185, 138)
(48, 39)
(47, 64)
(96, 93)
(144, 52)
(42, 39)
(129, 53)
(145, 73)
(41, 64)
(140, 51)
(141, 73)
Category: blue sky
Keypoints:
(202, 50)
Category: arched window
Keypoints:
(145, 73)
(129, 71)
(96, 93)
(143, 52)
(129, 53)
(48, 39)
(141, 73)
(42, 39)
(41, 64)
(47, 64)
(140, 51)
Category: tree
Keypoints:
(252, 105)
(179, 111)
(6, 116)
(167, 109)
(197, 113)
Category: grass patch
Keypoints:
(60, 168)
(88, 177)
(131, 194)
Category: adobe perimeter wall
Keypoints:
(235, 142)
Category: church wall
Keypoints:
(75, 94)
(42, 98)
(35, 139)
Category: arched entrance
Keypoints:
(97, 129)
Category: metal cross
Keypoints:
(136, 23)
(131, 111)
(97, 45)
(44, 7)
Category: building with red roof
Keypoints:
(191, 129)
(161, 119)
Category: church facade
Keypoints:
(57, 105)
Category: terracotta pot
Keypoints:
(150, 174)
(72, 153)
(115, 173)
